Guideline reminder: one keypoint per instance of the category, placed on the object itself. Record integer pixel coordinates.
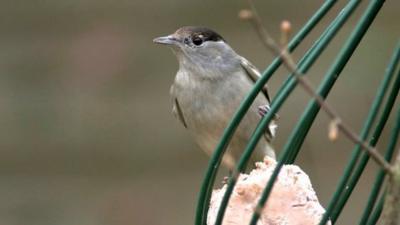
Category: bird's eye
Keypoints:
(197, 41)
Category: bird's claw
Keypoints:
(263, 110)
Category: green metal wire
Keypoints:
(380, 176)
(365, 21)
(381, 173)
(367, 216)
(346, 12)
(390, 149)
(388, 155)
(378, 130)
(313, 53)
(377, 212)
(205, 192)
(299, 133)
(337, 67)
(304, 65)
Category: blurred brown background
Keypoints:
(86, 133)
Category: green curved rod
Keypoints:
(365, 21)
(381, 174)
(336, 68)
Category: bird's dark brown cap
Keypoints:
(206, 33)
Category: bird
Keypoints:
(211, 82)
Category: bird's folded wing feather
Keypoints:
(253, 73)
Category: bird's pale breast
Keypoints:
(207, 109)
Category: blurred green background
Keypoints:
(86, 130)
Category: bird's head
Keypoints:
(200, 47)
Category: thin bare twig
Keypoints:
(288, 61)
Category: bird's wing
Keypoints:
(177, 111)
(253, 73)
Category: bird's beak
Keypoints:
(167, 40)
